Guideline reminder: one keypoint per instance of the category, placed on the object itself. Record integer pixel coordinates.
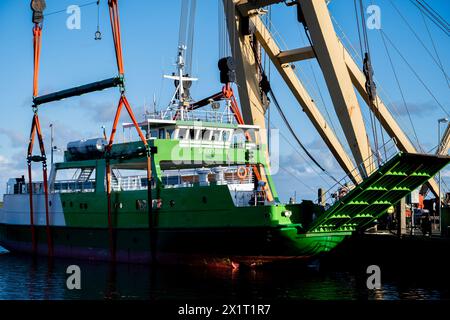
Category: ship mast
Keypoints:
(181, 98)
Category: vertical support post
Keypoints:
(51, 144)
(151, 223)
(401, 217)
(30, 185)
(439, 202)
(30, 192)
(112, 245)
(321, 197)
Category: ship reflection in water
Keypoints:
(22, 277)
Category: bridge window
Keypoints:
(170, 133)
(225, 135)
(216, 135)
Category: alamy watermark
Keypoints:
(73, 21)
(374, 19)
(374, 279)
(73, 281)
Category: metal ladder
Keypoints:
(85, 174)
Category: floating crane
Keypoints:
(341, 73)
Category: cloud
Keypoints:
(416, 108)
(64, 132)
(15, 138)
(105, 111)
(14, 167)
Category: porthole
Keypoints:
(49, 203)
(172, 203)
(204, 199)
(64, 204)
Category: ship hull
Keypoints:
(216, 247)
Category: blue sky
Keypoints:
(150, 36)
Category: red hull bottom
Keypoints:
(121, 256)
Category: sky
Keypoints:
(149, 39)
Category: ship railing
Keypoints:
(378, 158)
(231, 178)
(139, 182)
(129, 183)
(234, 179)
(194, 115)
(248, 199)
(61, 186)
(24, 188)
(70, 186)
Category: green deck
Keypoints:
(384, 188)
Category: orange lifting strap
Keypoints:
(36, 129)
(123, 101)
(37, 30)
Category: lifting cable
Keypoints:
(368, 72)
(38, 8)
(415, 73)
(65, 10)
(266, 88)
(433, 15)
(123, 101)
(435, 49)
(401, 91)
(436, 61)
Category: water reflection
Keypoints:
(22, 277)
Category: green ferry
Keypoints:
(208, 208)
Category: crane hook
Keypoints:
(38, 7)
(98, 34)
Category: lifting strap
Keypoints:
(123, 101)
(36, 129)
(37, 31)
(115, 27)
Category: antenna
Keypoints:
(145, 107)
(182, 80)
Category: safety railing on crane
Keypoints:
(194, 115)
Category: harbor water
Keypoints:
(22, 277)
